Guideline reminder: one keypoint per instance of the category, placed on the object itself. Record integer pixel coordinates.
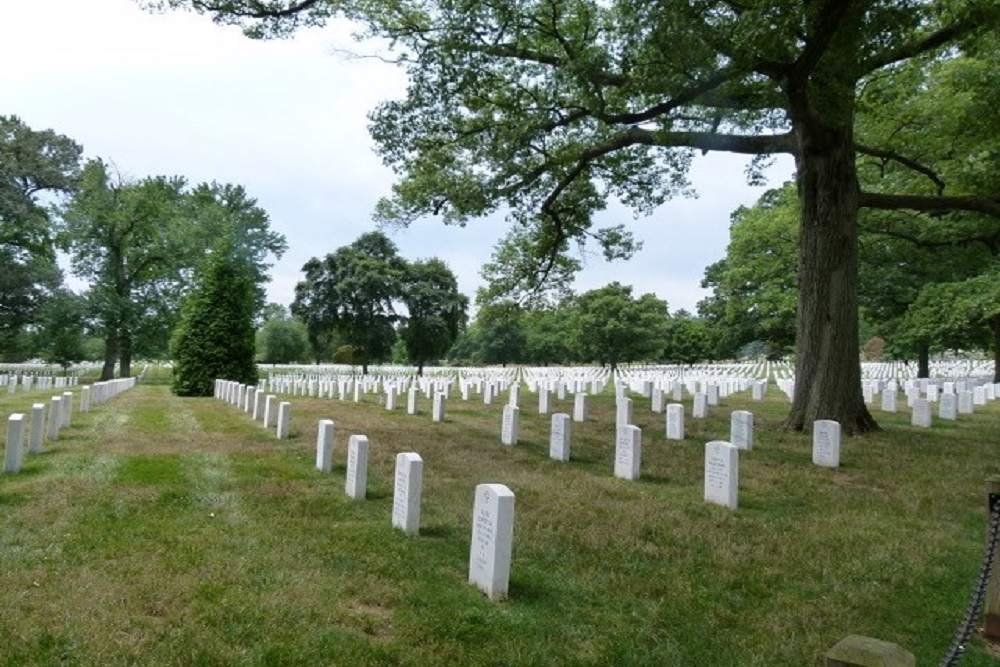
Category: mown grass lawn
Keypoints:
(166, 531)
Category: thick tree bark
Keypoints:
(827, 358)
(111, 349)
(995, 327)
(923, 359)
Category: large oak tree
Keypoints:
(548, 107)
(35, 165)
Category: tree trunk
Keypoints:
(420, 369)
(827, 358)
(995, 328)
(111, 348)
(923, 359)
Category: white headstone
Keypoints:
(37, 427)
(284, 419)
(657, 404)
(712, 392)
(921, 413)
(948, 406)
(324, 445)
(826, 443)
(508, 433)
(628, 452)
(406, 498)
(437, 413)
(888, 400)
(357, 467)
(979, 396)
(67, 409)
(700, 408)
(258, 404)
(623, 413)
(390, 398)
(14, 452)
(492, 539)
(543, 401)
(757, 390)
(678, 392)
(741, 429)
(559, 437)
(722, 473)
(55, 417)
(515, 395)
(965, 406)
(85, 398)
(580, 407)
(411, 401)
(270, 413)
(675, 421)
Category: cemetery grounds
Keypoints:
(174, 531)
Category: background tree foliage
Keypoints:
(611, 327)
(139, 243)
(755, 284)
(359, 292)
(921, 112)
(436, 311)
(281, 340)
(33, 164)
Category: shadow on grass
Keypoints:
(441, 531)
(9, 499)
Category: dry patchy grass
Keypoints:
(175, 531)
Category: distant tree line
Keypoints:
(142, 247)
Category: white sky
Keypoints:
(174, 94)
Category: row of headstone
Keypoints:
(493, 509)
(952, 401)
(41, 382)
(721, 483)
(59, 411)
(261, 406)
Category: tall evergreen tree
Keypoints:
(215, 337)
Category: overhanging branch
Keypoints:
(255, 9)
(935, 40)
(931, 204)
(905, 161)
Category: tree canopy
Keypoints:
(435, 311)
(139, 243)
(611, 327)
(547, 108)
(33, 164)
(360, 291)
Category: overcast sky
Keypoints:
(174, 94)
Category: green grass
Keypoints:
(166, 531)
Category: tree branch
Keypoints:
(905, 161)
(930, 204)
(830, 17)
(254, 9)
(935, 40)
(682, 98)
